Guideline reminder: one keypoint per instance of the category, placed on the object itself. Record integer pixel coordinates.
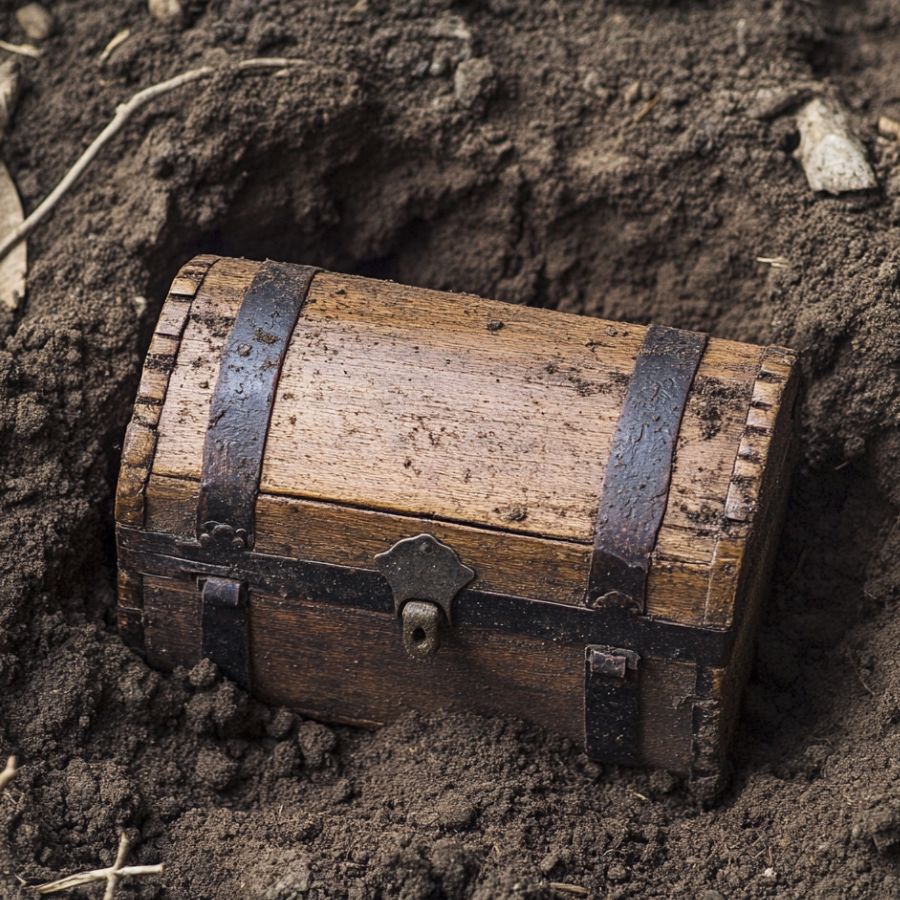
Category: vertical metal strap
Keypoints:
(226, 639)
(636, 483)
(239, 416)
(242, 404)
(611, 705)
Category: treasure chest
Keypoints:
(359, 498)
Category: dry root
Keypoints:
(7, 775)
(111, 875)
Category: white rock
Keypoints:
(475, 80)
(832, 157)
(35, 21)
(165, 10)
(14, 266)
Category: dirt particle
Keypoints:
(265, 337)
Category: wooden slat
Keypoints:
(756, 491)
(140, 443)
(346, 665)
(505, 563)
(171, 622)
(303, 529)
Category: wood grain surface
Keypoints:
(415, 402)
(349, 666)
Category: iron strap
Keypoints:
(153, 553)
(636, 483)
(242, 403)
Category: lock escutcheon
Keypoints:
(425, 576)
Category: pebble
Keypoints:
(35, 21)
(475, 81)
(165, 11)
(316, 743)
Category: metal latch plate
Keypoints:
(224, 620)
(611, 704)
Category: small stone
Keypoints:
(35, 21)
(166, 11)
(617, 872)
(632, 93)
(440, 64)
(9, 91)
(549, 863)
(832, 157)
(889, 127)
(593, 84)
(475, 81)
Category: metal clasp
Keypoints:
(425, 576)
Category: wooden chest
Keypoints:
(359, 498)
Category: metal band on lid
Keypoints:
(636, 484)
(242, 404)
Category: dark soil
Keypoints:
(626, 159)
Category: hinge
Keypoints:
(611, 704)
(225, 627)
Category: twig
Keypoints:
(110, 875)
(568, 888)
(117, 40)
(123, 113)
(646, 109)
(776, 262)
(7, 775)
(22, 49)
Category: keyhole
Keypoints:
(421, 628)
